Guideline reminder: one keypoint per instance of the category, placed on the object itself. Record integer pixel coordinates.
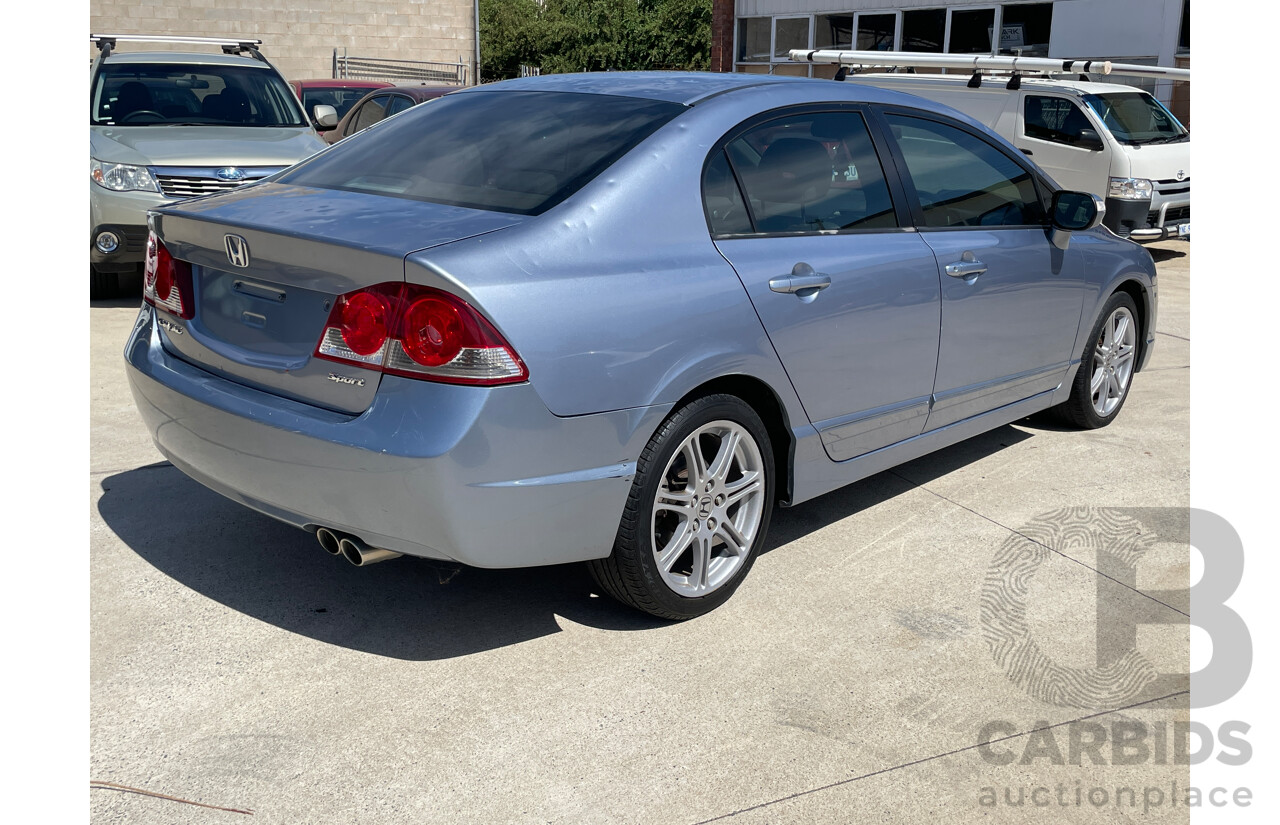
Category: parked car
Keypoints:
(615, 318)
(164, 126)
(379, 105)
(339, 93)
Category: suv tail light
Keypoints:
(166, 283)
(418, 332)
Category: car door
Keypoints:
(1011, 300)
(801, 206)
(1054, 133)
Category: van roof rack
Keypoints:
(230, 44)
(979, 63)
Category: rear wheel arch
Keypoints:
(761, 398)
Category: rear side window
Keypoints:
(520, 152)
(961, 180)
(815, 172)
(1054, 119)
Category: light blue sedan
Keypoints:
(616, 318)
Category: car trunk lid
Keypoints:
(268, 263)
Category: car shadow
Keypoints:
(1160, 255)
(414, 609)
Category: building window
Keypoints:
(876, 32)
(971, 31)
(753, 39)
(833, 31)
(789, 33)
(1184, 35)
(1025, 27)
(924, 30)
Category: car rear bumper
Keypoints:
(486, 476)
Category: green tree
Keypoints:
(593, 35)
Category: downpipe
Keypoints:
(352, 549)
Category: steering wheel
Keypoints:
(135, 114)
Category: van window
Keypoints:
(1055, 119)
(961, 180)
(810, 173)
(1136, 118)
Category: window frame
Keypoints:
(879, 141)
(1044, 192)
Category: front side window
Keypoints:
(505, 151)
(961, 180)
(170, 94)
(398, 104)
(1055, 119)
(809, 173)
(371, 111)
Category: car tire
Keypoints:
(1107, 366)
(103, 284)
(708, 537)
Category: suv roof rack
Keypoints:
(230, 44)
(979, 63)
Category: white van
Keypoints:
(1115, 141)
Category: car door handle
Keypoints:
(966, 267)
(802, 281)
(1026, 152)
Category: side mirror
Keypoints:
(1089, 139)
(325, 117)
(1074, 212)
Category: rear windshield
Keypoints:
(520, 152)
(167, 94)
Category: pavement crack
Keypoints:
(1042, 544)
(937, 756)
(1171, 335)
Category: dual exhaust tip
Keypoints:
(352, 549)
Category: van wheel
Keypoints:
(1106, 367)
(697, 514)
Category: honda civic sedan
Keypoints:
(618, 318)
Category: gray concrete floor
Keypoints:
(849, 680)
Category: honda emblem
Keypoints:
(237, 251)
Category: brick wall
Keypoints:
(299, 36)
(721, 35)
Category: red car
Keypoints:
(383, 103)
(340, 94)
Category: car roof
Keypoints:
(206, 58)
(674, 87)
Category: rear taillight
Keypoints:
(419, 332)
(166, 282)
